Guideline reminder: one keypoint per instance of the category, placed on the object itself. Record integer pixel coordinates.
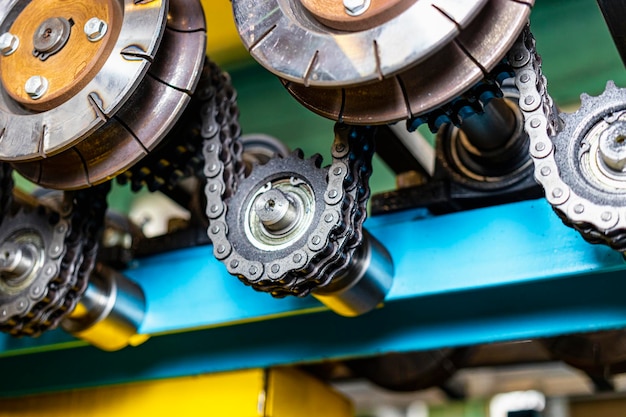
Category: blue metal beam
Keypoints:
(503, 273)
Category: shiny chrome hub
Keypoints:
(280, 213)
(21, 258)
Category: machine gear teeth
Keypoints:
(582, 178)
(66, 245)
(291, 174)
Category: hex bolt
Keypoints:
(36, 86)
(612, 146)
(95, 29)
(356, 7)
(8, 43)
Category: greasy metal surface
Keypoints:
(28, 135)
(71, 62)
(437, 80)
(286, 40)
(333, 13)
(145, 118)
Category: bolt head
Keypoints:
(356, 7)
(36, 86)
(95, 29)
(8, 43)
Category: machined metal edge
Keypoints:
(434, 82)
(26, 135)
(144, 119)
(289, 42)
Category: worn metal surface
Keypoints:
(144, 119)
(449, 72)
(28, 135)
(352, 15)
(285, 40)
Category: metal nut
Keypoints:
(36, 86)
(95, 29)
(8, 43)
(356, 7)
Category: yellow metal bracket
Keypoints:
(280, 392)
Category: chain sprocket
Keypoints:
(69, 241)
(340, 194)
(313, 259)
(562, 150)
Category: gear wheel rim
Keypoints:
(276, 168)
(129, 132)
(423, 88)
(571, 139)
(151, 19)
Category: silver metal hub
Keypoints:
(612, 146)
(51, 36)
(280, 213)
(276, 211)
(22, 256)
(17, 261)
(603, 155)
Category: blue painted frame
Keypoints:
(502, 273)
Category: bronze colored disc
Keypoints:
(333, 14)
(430, 84)
(146, 117)
(71, 68)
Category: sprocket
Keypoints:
(580, 157)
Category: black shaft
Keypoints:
(491, 129)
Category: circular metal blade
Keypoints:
(442, 77)
(291, 43)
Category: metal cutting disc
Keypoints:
(117, 102)
(314, 43)
(448, 73)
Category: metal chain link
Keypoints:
(65, 279)
(597, 223)
(180, 154)
(333, 239)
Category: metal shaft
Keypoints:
(491, 129)
(16, 261)
(366, 283)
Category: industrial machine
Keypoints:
(488, 237)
